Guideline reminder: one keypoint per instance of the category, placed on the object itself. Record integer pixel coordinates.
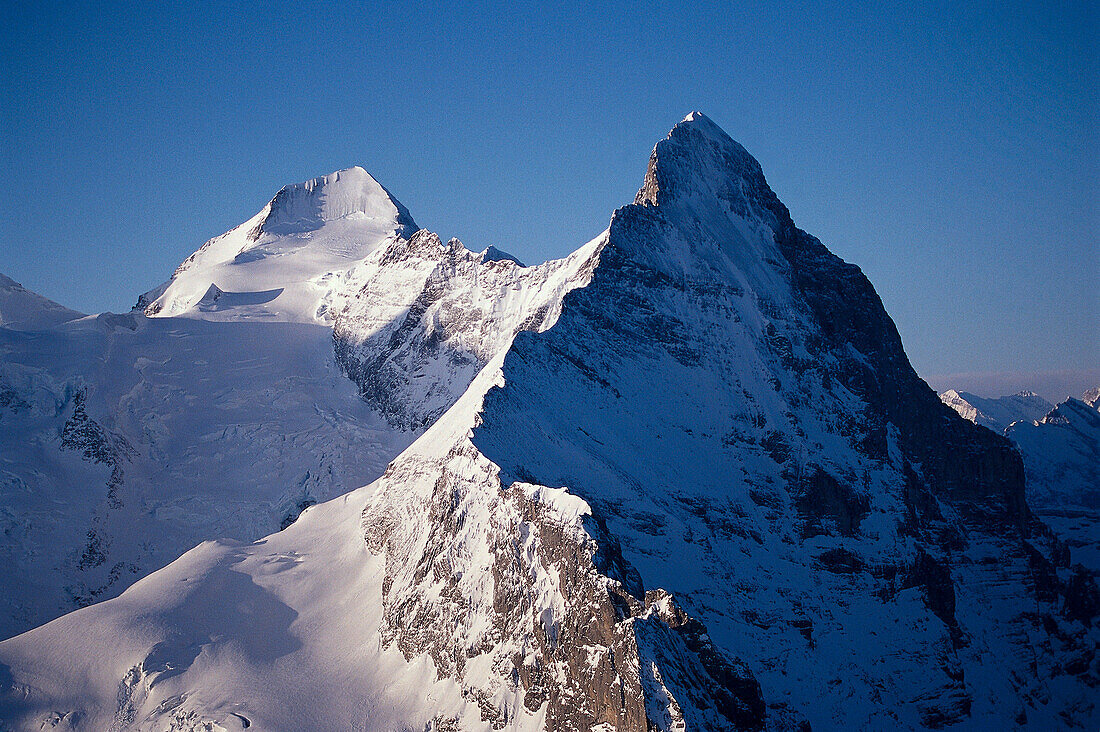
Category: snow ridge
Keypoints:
(21, 309)
(997, 414)
(298, 248)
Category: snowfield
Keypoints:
(21, 309)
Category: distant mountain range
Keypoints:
(1061, 450)
(999, 413)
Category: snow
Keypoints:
(228, 418)
(1061, 453)
(997, 414)
(227, 428)
(438, 313)
(1060, 446)
(231, 417)
(21, 309)
(288, 261)
(282, 632)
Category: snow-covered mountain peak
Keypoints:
(288, 261)
(348, 193)
(21, 309)
(684, 478)
(1071, 406)
(999, 413)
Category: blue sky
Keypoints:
(949, 149)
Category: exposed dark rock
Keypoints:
(82, 595)
(729, 686)
(841, 561)
(823, 500)
(1043, 573)
(1082, 597)
(294, 513)
(951, 706)
(83, 434)
(95, 551)
(10, 400)
(934, 579)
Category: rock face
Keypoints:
(688, 480)
(421, 319)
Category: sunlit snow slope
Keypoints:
(287, 261)
(127, 439)
(999, 413)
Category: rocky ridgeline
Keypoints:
(420, 319)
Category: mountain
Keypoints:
(287, 261)
(999, 413)
(1061, 453)
(127, 439)
(21, 309)
(695, 485)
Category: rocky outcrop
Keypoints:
(547, 614)
(422, 318)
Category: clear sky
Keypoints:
(949, 149)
